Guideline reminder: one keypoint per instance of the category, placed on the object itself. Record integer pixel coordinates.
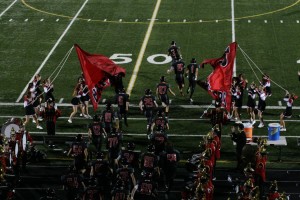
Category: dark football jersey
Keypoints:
(192, 69)
(148, 101)
(163, 88)
(178, 67)
(174, 52)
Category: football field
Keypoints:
(37, 37)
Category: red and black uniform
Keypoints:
(148, 102)
(108, 118)
(170, 159)
(78, 152)
(113, 145)
(146, 190)
(92, 192)
(72, 183)
(50, 116)
(23, 138)
(179, 68)
(205, 190)
(124, 173)
(289, 106)
(103, 174)
(217, 119)
(160, 123)
(132, 158)
(149, 162)
(192, 70)
(174, 52)
(28, 105)
(119, 193)
(217, 143)
(162, 89)
(13, 156)
(122, 100)
(159, 139)
(251, 98)
(273, 195)
(260, 172)
(96, 128)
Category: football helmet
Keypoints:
(130, 146)
(148, 92)
(151, 148)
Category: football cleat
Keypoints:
(39, 127)
(261, 125)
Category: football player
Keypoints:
(147, 105)
(174, 52)
(178, 67)
(162, 90)
(122, 100)
(192, 76)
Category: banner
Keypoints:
(219, 81)
(98, 70)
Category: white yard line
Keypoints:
(136, 105)
(142, 135)
(4, 11)
(143, 48)
(52, 50)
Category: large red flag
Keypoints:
(219, 81)
(97, 70)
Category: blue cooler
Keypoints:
(273, 131)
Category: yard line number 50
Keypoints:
(156, 59)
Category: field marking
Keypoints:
(52, 50)
(4, 11)
(143, 48)
(143, 134)
(180, 22)
(136, 106)
(170, 119)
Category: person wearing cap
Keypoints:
(239, 137)
(50, 115)
(192, 75)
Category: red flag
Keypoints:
(219, 81)
(97, 70)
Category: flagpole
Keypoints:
(233, 33)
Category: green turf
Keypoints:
(272, 46)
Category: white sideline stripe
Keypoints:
(143, 48)
(136, 105)
(279, 103)
(52, 50)
(4, 11)
(61, 100)
(170, 119)
(143, 135)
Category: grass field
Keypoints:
(36, 35)
(267, 31)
